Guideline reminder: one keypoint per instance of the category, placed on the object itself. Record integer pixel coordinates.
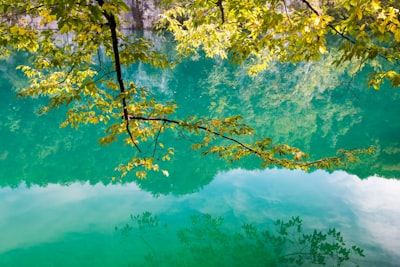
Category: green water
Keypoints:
(58, 206)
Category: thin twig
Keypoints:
(156, 140)
(67, 75)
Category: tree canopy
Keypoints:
(257, 32)
(70, 43)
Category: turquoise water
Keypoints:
(59, 207)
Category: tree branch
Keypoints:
(180, 123)
(336, 160)
(336, 30)
(329, 25)
(113, 27)
(221, 8)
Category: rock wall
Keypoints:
(143, 15)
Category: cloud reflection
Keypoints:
(366, 211)
(35, 215)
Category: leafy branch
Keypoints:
(332, 27)
(259, 32)
(226, 129)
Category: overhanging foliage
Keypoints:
(68, 39)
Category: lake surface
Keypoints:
(59, 206)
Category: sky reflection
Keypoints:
(366, 211)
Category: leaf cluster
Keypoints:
(258, 32)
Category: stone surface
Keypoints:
(143, 14)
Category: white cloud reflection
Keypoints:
(366, 211)
(30, 216)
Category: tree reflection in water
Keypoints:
(207, 242)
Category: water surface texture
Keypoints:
(59, 207)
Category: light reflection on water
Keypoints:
(365, 211)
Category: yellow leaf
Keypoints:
(359, 14)
(317, 21)
(397, 35)
(375, 4)
(141, 174)
(166, 158)
(17, 30)
(64, 29)
(322, 49)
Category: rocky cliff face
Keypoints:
(143, 14)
